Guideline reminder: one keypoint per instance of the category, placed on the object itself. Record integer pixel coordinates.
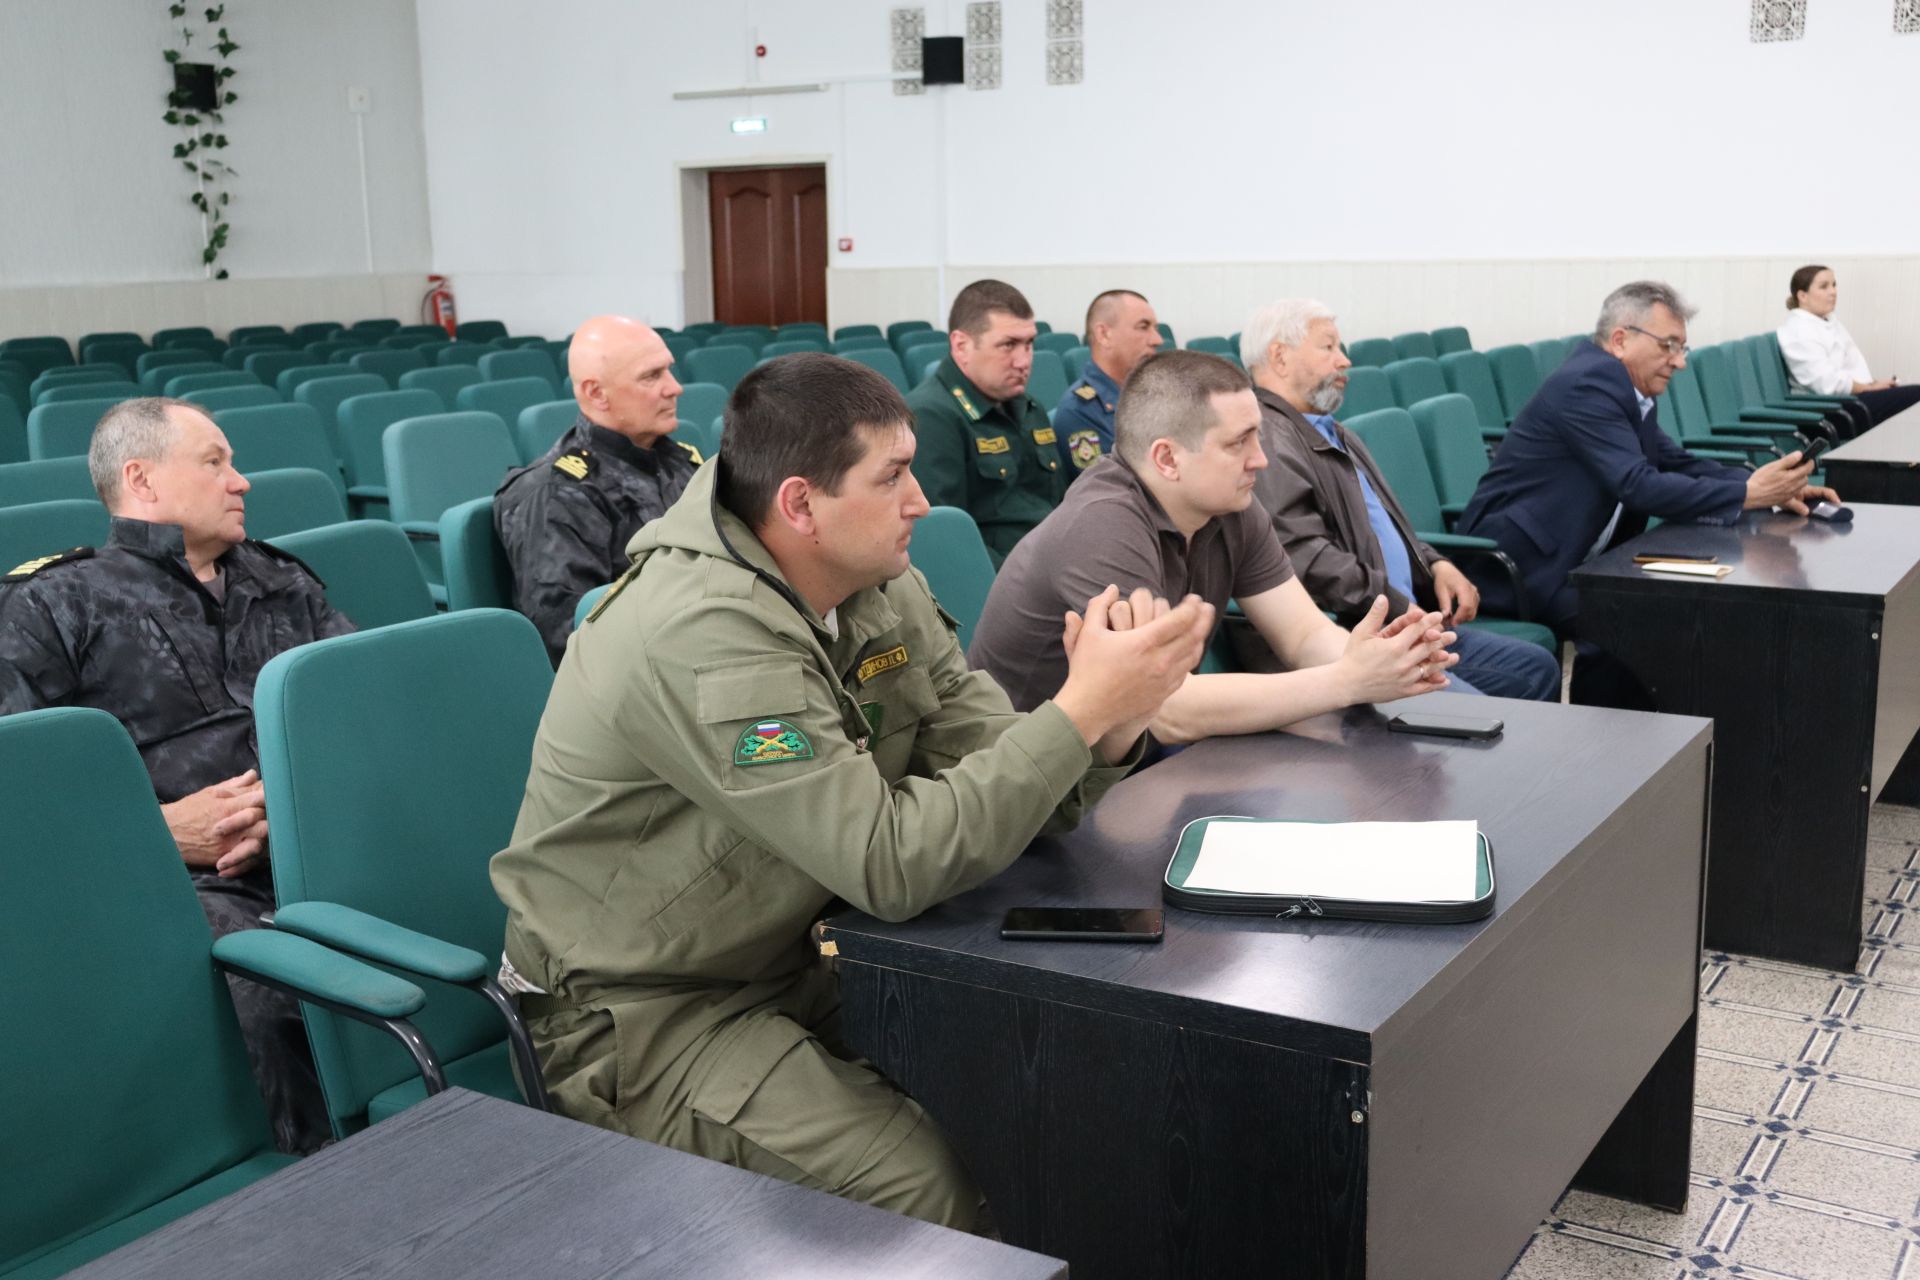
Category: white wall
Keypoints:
(1218, 152)
(92, 199)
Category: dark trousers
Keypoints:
(1882, 405)
(269, 1020)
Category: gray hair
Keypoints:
(1170, 396)
(133, 429)
(1285, 322)
(1632, 303)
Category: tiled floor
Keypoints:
(1806, 1135)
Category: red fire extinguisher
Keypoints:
(437, 306)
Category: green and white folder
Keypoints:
(1405, 872)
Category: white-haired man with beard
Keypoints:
(1347, 536)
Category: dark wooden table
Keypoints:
(1808, 660)
(1880, 465)
(470, 1186)
(1263, 1097)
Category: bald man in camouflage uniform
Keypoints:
(565, 519)
(166, 628)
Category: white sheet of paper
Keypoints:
(1370, 861)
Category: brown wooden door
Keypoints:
(769, 244)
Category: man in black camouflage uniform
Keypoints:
(166, 628)
(565, 520)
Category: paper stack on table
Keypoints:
(1363, 861)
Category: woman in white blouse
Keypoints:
(1823, 357)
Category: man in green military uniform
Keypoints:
(768, 712)
(985, 446)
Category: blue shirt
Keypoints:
(1083, 421)
(1393, 548)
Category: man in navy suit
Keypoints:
(1586, 463)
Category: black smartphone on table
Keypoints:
(1083, 924)
(1474, 727)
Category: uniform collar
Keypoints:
(972, 401)
(607, 441)
(154, 541)
(1102, 382)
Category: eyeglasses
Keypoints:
(1672, 346)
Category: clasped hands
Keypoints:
(223, 826)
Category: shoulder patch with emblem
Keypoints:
(1044, 436)
(20, 573)
(576, 464)
(691, 452)
(882, 662)
(1084, 448)
(966, 404)
(991, 444)
(1085, 393)
(771, 742)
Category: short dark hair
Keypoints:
(973, 310)
(1171, 395)
(1801, 282)
(1095, 308)
(800, 415)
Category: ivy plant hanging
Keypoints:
(197, 104)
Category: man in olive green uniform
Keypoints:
(768, 712)
(985, 446)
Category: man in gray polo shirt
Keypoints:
(1173, 511)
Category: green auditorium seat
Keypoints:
(13, 431)
(253, 332)
(1056, 342)
(478, 573)
(480, 330)
(88, 391)
(948, 550)
(1470, 373)
(1215, 346)
(1415, 346)
(901, 332)
(45, 480)
(237, 357)
(41, 352)
(36, 529)
(463, 353)
(513, 342)
(1668, 417)
(1516, 376)
(1746, 378)
(703, 437)
(445, 381)
(289, 380)
(701, 331)
(436, 461)
(883, 361)
(1073, 361)
(932, 348)
(557, 352)
(183, 385)
(505, 400)
(290, 499)
(1451, 339)
(722, 366)
(129, 1097)
(88, 341)
(363, 421)
(861, 342)
(540, 426)
(330, 349)
(703, 401)
(1719, 387)
(388, 364)
(1394, 441)
(193, 340)
(216, 398)
(126, 354)
(433, 331)
(1549, 354)
(1415, 380)
(1449, 428)
(524, 362)
(383, 825)
(370, 330)
(74, 375)
(852, 331)
(1368, 389)
(1374, 353)
(269, 365)
(679, 346)
(1166, 335)
(315, 331)
(170, 359)
(369, 569)
(64, 430)
(1048, 381)
(791, 346)
(800, 328)
(753, 339)
(1696, 428)
(269, 436)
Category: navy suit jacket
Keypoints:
(1577, 448)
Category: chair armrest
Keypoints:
(1493, 435)
(1458, 542)
(421, 530)
(1793, 417)
(371, 938)
(375, 492)
(1728, 456)
(1464, 547)
(308, 971)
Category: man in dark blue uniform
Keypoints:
(1122, 330)
(166, 628)
(565, 520)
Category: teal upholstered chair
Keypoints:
(289, 499)
(383, 825)
(1449, 428)
(1368, 389)
(1451, 339)
(387, 363)
(480, 330)
(1373, 353)
(439, 460)
(1415, 380)
(478, 575)
(65, 429)
(444, 380)
(288, 381)
(540, 426)
(157, 367)
(363, 421)
(702, 401)
(36, 529)
(326, 393)
(45, 480)
(1418, 345)
(368, 567)
(1515, 375)
(270, 436)
(1048, 381)
(130, 1103)
(948, 550)
(214, 399)
(506, 398)
(523, 362)
(724, 365)
(1470, 373)
(183, 386)
(883, 361)
(13, 430)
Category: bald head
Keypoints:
(621, 375)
